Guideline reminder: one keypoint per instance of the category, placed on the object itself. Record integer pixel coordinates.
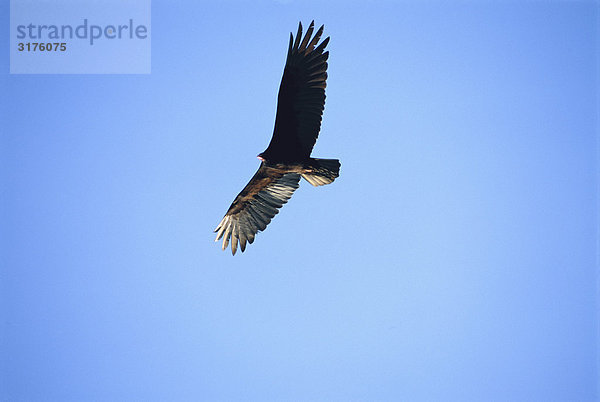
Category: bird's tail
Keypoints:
(321, 171)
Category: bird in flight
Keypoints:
(300, 105)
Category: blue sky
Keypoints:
(454, 259)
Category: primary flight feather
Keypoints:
(300, 105)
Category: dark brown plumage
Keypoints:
(300, 105)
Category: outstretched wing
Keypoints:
(255, 206)
(301, 98)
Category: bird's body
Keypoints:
(300, 105)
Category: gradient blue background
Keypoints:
(454, 259)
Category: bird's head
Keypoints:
(261, 157)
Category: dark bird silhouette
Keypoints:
(300, 107)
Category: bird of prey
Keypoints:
(300, 105)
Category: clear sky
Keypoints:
(455, 258)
